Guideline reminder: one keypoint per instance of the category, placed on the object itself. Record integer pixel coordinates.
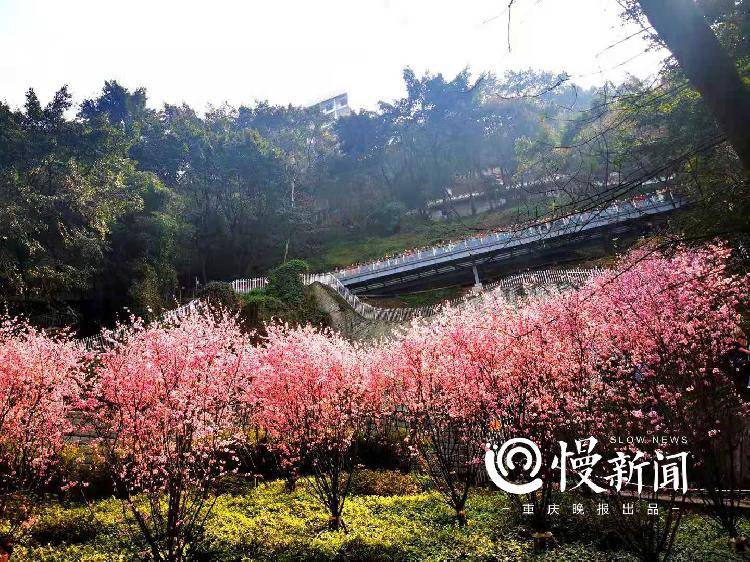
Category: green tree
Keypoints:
(683, 28)
(63, 185)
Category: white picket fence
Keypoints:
(243, 286)
(531, 281)
(528, 283)
(364, 309)
(97, 341)
(510, 286)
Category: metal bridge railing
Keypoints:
(533, 282)
(621, 211)
(510, 286)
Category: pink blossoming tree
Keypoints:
(164, 406)
(544, 385)
(669, 323)
(314, 403)
(39, 378)
(435, 387)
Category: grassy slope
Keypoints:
(270, 524)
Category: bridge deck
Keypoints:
(440, 259)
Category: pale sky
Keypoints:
(300, 51)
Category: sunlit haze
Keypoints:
(298, 52)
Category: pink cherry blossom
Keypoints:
(314, 403)
(164, 405)
(39, 382)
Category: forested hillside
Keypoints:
(111, 203)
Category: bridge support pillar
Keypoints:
(477, 283)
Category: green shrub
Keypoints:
(582, 553)
(235, 485)
(70, 553)
(71, 532)
(263, 302)
(259, 307)
(267, 523)
(386, 218)
(152, 288)
(72, 525)
(285, 284)
(284, 298)
(385, 450)
(219, 295)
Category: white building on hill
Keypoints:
(335, 106)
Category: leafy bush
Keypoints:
(284, 282)
(386, 449)
(71, 553)
(219, 295)
(386, 218)
(71, 532)
(59, 525)
(259, 307)
(82, 466)
(152, 288)
(284, 298)
(272, 524)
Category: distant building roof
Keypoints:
(334, 106)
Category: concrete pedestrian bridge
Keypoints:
(501, 253)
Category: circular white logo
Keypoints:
(500, 462)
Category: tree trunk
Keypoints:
(681, 25)
(291, 484)
(335, 523)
